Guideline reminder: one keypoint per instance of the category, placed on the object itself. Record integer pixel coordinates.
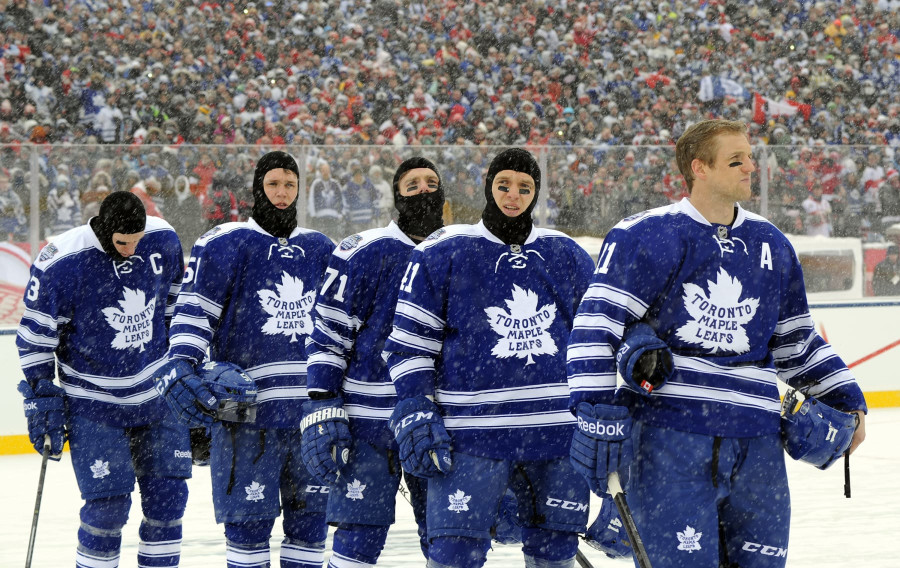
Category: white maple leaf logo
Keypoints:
(100, 469)
(459, 501)
(522, 329)
(355, 490)
(288, 308)
(255, 491)
(690, 539)
(719, 318)
(134, 321)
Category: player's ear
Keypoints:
(699, 168)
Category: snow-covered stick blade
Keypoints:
(637, 545)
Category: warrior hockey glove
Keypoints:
(601, 444)
(183, 391)
(644, 360)
(45, 413)
(424, 443)
(607, 533)
(325, 444)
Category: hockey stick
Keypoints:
(637, 545)
(45, 455)
(582, 559)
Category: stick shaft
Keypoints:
(637, 545)
(37, 503)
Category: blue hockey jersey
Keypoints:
(354, 313)
(248, 297)
(482, 326)
(102, 324)
(729, 301)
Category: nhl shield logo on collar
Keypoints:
(516, 249)
(722, 232)
(282, 241)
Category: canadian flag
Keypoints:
(764, 107)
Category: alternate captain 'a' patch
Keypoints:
(719, 317)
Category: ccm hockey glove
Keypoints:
(644, 360)
(601, 444)
(46, 416)
(325, 438)
(183, 391)
(424, 443)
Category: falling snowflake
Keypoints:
(719, 318)
(523, 329)
(288, 308)
(134, 322)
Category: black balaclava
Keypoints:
(422, 214)
(510, 230)
(277, 222)
(121, 212)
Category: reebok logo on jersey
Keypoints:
(355, 490)
(718, 318)
(182, 454)
(255, 491)
(100, 469)
(689, 539)
(459, 501)
(133, 322)
(524, 329)
(288, 308)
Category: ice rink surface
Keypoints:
(827, 529)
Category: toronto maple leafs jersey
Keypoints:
(482, 326)
(248, 297)
(731, 304)
(101, 324)
(354, 313)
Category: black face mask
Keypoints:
(422, 214)
(510, 230)
(277, 222)
(121, 212)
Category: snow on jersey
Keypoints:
(482, 326)
(102, 324)
(248, 297)
(730, 303)
(354, 312)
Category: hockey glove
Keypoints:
(813, 432)
(183, 391)
(424, 443)
(601, 444)
(607, 533)
(507, 527)
(46, 416)
(325, 444)
(644, 360)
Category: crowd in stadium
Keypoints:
(605, 87)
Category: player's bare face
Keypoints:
(281, 187)
(513, 192)
(418, 180)
(126, 244)
(731, 173)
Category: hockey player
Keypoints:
(351, 391)
(722, 290)
(97, 310)
(248, 296)
(477, 358)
